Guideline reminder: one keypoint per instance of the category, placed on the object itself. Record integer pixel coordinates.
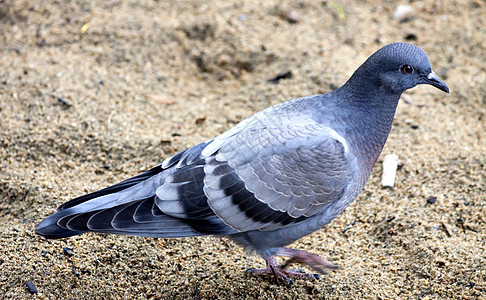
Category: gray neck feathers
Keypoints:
(365, 113)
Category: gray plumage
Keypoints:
(273, 178)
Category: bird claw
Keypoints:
(280, 272)
(311, 260)
(283, 274)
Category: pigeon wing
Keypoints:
(270, 177)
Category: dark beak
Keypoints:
(434, 80)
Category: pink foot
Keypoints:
(312, 260)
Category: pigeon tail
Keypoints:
(50, 229)
(122, 192)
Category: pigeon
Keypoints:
(272, 179)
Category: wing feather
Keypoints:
(276, 177)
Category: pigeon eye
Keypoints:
(406, 69)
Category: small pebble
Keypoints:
(74, 269)
(283, 75)
(31, 287)
(431, 200)
(411, 37)
(403, 12)
(63, 102)
(67, 251)
(390, 164)
(292, 17)
(199, 121)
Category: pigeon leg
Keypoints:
(300, 256)
(273, 268)
(280, 272)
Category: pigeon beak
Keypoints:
(434, 80)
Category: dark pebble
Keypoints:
(414, 127)
(333, 86)
(411, 37)
(67, 251)
(431, 200)
(283, 75)
(165, 142)
(199, 121)
(63, 102)
(74, 269)
(406, 20)
(31, 287)
(99, 172)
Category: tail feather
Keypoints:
(118, 220)
(50, 229)
(113, 189)
(138, 187)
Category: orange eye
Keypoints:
(406, 69)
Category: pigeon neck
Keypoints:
(367, 117)
(368, 98)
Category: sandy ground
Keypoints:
(92, 93)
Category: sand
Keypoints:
(92, 93)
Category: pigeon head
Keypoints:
(398, 67)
